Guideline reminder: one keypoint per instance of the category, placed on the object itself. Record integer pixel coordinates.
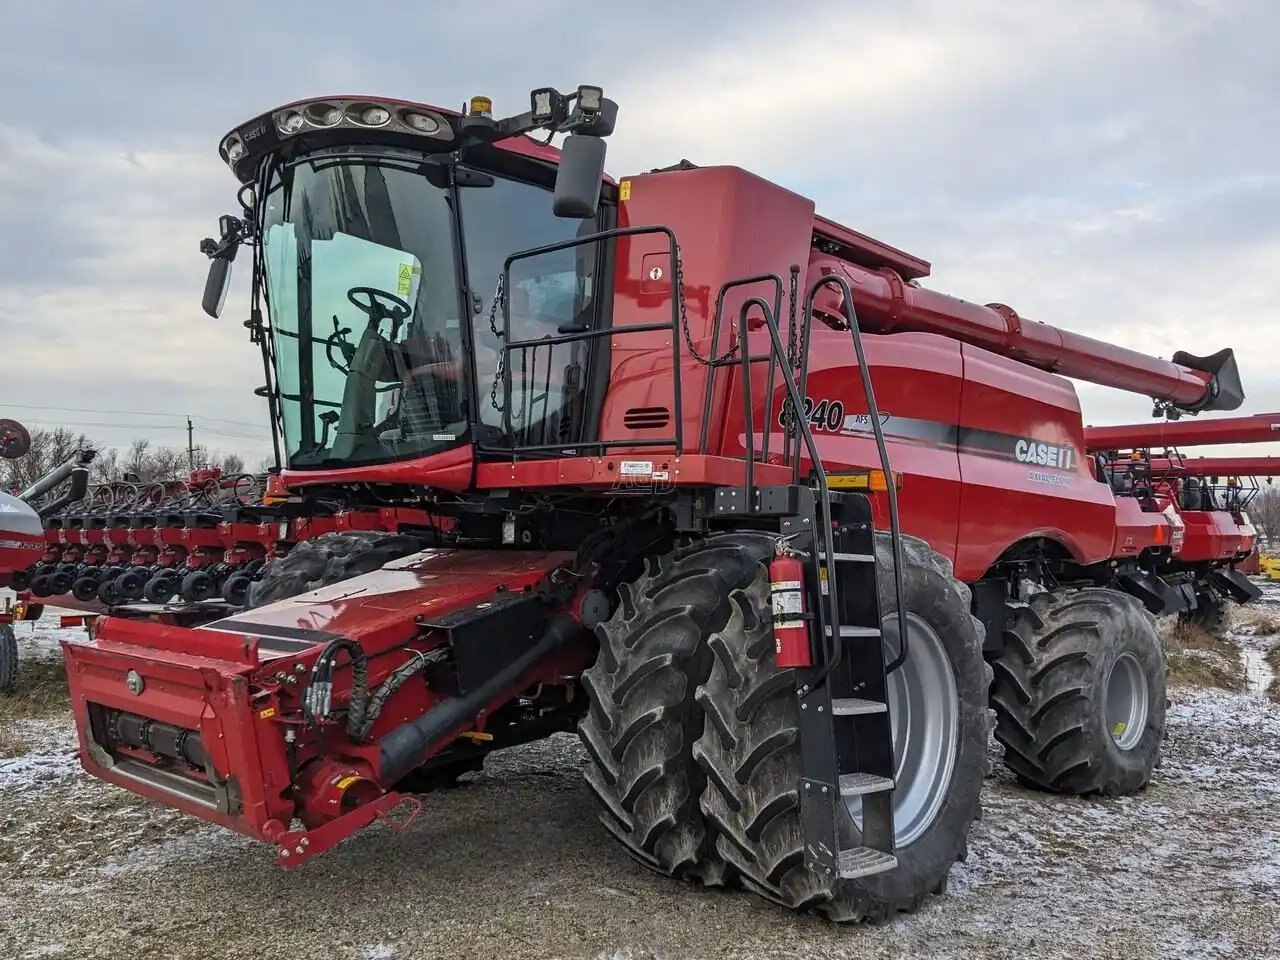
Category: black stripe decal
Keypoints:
(283, 637)
(972, 440)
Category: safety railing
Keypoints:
(508, 347)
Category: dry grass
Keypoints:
(1273, 658)
(41, 692)
(1255, 620)
(1197, 658)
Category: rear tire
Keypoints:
(330, 558)
(1080, 693)
(1212, 615)
(751, 748)
(8, 659)
(643, 718)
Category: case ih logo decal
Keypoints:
(1044, 454)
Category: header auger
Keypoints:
(724, 489)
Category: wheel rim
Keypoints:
(1127, 702)
(924, 711)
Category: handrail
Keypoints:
(673, 325)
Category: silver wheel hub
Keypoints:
(1127, 701)
(924, 713)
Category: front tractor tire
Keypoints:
(1079, 693)
(643, 718)
(329, 558)
(750, 746)
(8, 659)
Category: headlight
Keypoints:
(290, 122)
(323, 114)
(233, 148)
(368, 114)
(421, 122)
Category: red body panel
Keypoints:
(730, 224)
(1211, 535)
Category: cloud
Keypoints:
(1103, 166)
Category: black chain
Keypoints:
(794, 357)
(793, 331)
(684, 324)
(498, 295)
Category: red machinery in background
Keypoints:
(1258, 428)
(1209, 495)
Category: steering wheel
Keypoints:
(380, 305)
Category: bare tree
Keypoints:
(146, 461)
(49, 448)
(1264, 511)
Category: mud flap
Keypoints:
(1236, 585)
(1160, 598)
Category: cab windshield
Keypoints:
(362, 288)
(363, 264)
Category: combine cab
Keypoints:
(727, 490)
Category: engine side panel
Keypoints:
(730, 225)
(991, 450)
(1023, 466)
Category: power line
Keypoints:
(140, 413)
(144, 426)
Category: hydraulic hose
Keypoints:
(405, 746)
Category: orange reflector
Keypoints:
(478, 736)
(1160, 533)
(869, 481)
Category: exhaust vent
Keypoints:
(646, 418)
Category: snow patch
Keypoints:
(37, 769)
(200, 844)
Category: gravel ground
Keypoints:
(514, 864)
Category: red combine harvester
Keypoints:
(647, 408)
(1206, 494)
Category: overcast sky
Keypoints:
(1110, 167)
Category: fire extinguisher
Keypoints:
(790, 622)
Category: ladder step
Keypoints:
(862, 861)
(850, 557)
(853, 707)
(855, 631)
(858, 784)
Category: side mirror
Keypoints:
(215, 286)
(579, 177)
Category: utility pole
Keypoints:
(191, 447)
